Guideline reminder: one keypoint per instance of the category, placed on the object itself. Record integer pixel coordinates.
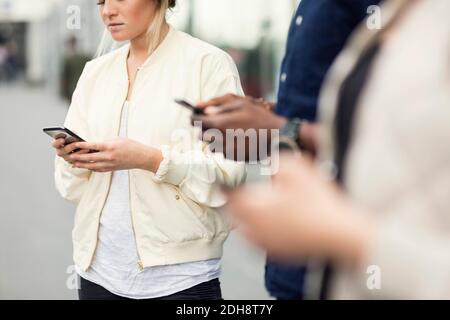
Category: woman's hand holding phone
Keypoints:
(65, 151)
(114, 155)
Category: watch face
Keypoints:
(290, 130)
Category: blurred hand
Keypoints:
(118, 154)
(64, 151)
(235, 112)
(300, 215)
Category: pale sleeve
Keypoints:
(198, 172)
(71, 182)
(411, 247)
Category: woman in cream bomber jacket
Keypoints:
(174, 209)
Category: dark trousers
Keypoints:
(204, 291)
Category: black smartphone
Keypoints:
(194, 109)
(63, 133)
(66, 134)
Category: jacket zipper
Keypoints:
(106, 197)
(139, 262)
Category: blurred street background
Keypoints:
(42, 44)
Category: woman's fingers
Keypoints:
(88, 157)
(82, 151)
(58, 143)
(60, 152)
(91, 146)
(95, 166)
(64, 151)
(69, 148)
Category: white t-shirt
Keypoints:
(115, 264)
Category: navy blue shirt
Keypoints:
(318, 33)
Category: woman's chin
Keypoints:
(119, 37)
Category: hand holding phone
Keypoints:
(69, 137)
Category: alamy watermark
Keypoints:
(73, 280)
(374, 21)
(373, 281)
(253, 146)
(73, 21)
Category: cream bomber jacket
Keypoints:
(174, 211)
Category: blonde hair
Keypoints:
(107, 44)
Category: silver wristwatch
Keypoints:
(289, 138)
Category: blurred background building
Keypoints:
(40, 30)
(36, 40)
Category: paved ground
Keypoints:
(35, 224)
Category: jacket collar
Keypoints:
(160, 52)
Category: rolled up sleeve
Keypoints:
(198, 172)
